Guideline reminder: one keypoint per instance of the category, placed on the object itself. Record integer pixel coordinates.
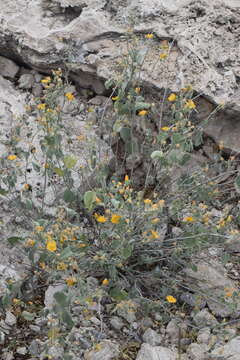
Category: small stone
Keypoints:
(151, 337)
(204, 336)
(197, 351)
(35, 328)
(106, 350)
(148, 352)
(26, 81)
(49, 300)
(10, 319)
(37, 90)
(203, 318)
(92, 117)
(8, 68)
(2, 338)
(193, 300)
(176, 329)
(22, 350)
(95, 320)
(116, 323)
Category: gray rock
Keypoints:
(108, 350)
(10, 319)
(229, 351)
(8, 68)
(194, 300)
(22, 350)
(35, 328)
(176, 329)
(212, 279)
(116, 323)
(148, 352)
(151, 337)
(49, 300)
(26, 81)
(203, 318)
(2, 338)
(204, 336)
(197, 351)
(35, 347)
(37, 90)
(56, 352)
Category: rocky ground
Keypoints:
(86, 39)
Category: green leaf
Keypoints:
(115, 203)
(89, 199)
(67, 319)
(68, 196)
(66, 253)
(58, 171)
(125, 134)
(156, 154)
(28, 316)
(69, 161)
(117, 294)
(142, 105)
(36, 167)
(29, 204)
(127, 251)
(14, 240)
(3, 192)
(61, 299)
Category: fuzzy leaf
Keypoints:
(69, 161)
(89, 199)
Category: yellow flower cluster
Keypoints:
(69, 96)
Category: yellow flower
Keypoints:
(115, 219)
(172, 97)
(71, 281)
(105, 282)
(115, 98)
(51, 245)
(161, 203)
(101, 219)
(61, 266)
(154, 235)
(41, 106)
(26, 186)
(46, 80)
(171, 299)
(142, 112)
(126, 178)
(165, 128)
(163, 56)
(188, 219)
(38, 228)
(155, 220)
(147, 201)
(12, 157)
(69, 96)
(149, 36)
(164, 45)
(97, 200)
(30, 242)
(82, 245)
(42, 265)
(190, 105)
(137, 90)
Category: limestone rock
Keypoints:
(228, 351)
(107, 351)
(148, 352)
(151, 337)
(213, 281)
(8, 68)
